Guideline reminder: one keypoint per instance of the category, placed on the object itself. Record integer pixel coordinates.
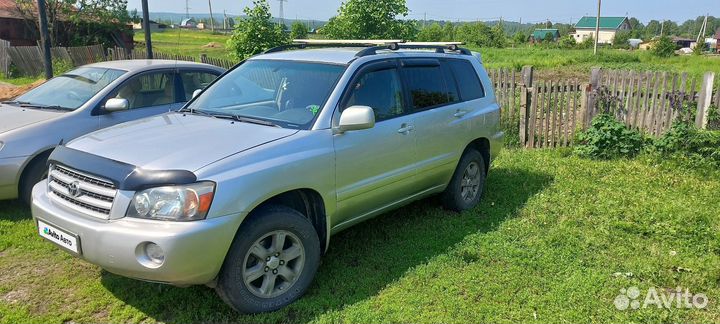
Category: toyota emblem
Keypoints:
(74, 189)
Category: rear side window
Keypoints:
(426, 85)
(467, 80)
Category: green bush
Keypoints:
(685, 140)
(608, 138)
(664, 47)
(61, 66)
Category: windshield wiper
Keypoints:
(197, 112)
(256, 121)
(39, 106)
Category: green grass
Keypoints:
(19, 81)
(580, 62)
(187, 42)
(554, 239)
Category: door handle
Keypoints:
(405, 129)
(460, 113)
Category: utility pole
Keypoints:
(212, 21)
(45, 40)
(146, 27)
(662, 28)
(282, 12)
(225, 22)
(703, 30)
(597, 28)
(424, 19)
(187, 8)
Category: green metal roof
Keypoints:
(539, 34)
(605, 22)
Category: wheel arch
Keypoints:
(41, 154)
(307, 202)
(482, 145)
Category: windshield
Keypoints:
(285, 93)
(71, 90)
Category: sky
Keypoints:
(530, 11)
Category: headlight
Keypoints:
(173, 203)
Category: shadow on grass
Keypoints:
(361, 260)
(14, 210)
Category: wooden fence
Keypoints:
(548, 113)
(26, 59)
(4, 57)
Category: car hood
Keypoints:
(13, 117)
(176, 141)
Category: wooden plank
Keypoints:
(646, 90)
(653, 104)
(533, 115)
(541, 114)
(660, 106)
(548, 113)
(501, 100)
(628, 100)
(512, 96)
(704, 100)
(574, 115)
(670, 110)
(566, 113)
(555, 104)
(524, 115)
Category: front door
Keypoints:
(375, 167)
(148, 94)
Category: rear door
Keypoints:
(440, 118)
(148, 94)
(375, 168)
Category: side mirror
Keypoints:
(196, 93)
(356, 118)
(116, 104)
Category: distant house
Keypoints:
(15, 27)
(717, 37)
(609, 27)
(683, 42)
(154, 26)
(541, 34)
(188, 23)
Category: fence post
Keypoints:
(589, 100)
(203, 58)
(704, 100)
(525, 101)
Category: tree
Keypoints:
(298, 30)
(90, 21)
(368, 19)
(432, 33)
(520, 38)
(477, 34)
(256, 33)
(664, 47)
(622, 39)
(497, 36)
(549, 37)
(448, 32)
(567, 42)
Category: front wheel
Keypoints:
(272, 261)
(466, 185)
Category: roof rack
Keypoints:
(373, 45)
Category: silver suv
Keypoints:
(242, 189)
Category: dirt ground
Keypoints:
(9, 91)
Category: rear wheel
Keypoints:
(466, 185)
(33, 173)
(272, 261)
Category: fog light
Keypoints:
(154, 253)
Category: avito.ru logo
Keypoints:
(666, 298)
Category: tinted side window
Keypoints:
(467, 80)
(426, 85)
(194, 80)
(147, 90)
(380, 90)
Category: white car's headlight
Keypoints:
(173, 203)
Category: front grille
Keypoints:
(81, 192)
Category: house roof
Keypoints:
(540, 33)
(8, 9)
(605, 22)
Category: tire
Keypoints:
(256, 239)
(35, 172)
(466, 184)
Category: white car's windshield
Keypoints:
(70, 90)
(285, 93)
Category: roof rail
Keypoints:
(373, 45)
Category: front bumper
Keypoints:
(194, 251)
(9, 175)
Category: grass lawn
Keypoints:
(19, 81)
(555, 239)
(187, 42)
